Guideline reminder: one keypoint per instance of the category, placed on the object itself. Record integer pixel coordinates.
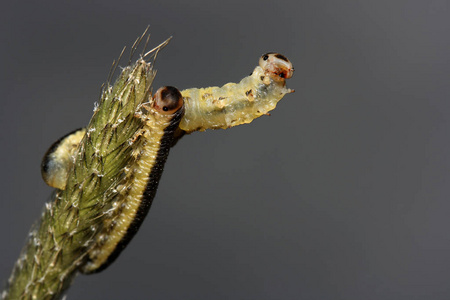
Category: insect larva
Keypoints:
(207, 108)
(137, 189)
(238, 103)
(161, 117)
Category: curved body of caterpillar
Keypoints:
(238, 103)
(161, 117)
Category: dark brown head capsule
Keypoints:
(276, 66)
(167, 100)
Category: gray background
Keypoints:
(343, 193)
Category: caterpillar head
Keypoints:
(168, 100)
(276, 66)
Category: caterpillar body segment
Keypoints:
(238, 103)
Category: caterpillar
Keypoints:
(136, 191)
(238, 103)
(167, 117)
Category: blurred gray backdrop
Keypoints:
(343, 193)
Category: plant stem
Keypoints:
(59, 244)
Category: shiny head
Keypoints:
(276, 66)
(167, 100)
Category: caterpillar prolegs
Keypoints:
(205, 108)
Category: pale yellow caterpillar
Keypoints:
(238, 103)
